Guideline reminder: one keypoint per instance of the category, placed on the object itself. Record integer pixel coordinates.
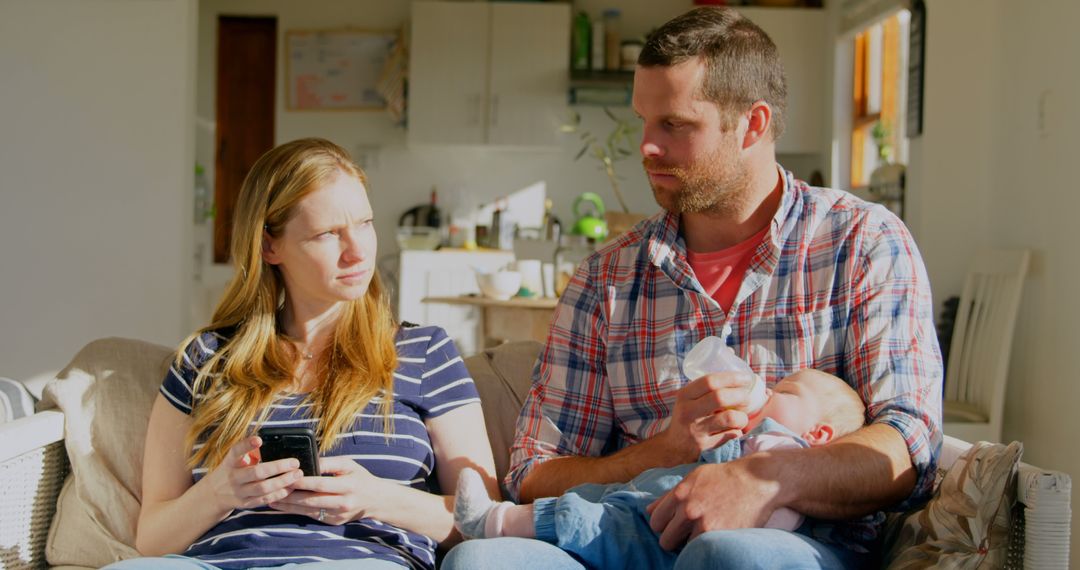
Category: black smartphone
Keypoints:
(296, 442)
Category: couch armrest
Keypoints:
(29, 433)
(33, 466)
(1046, 496)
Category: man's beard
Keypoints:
(716, 185)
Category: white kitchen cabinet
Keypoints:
(799, 35)
(488, 73)
(445, 274)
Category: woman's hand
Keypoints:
(346, 496)
(241, 481)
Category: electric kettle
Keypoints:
(590, 223)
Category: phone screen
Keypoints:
(298, 443)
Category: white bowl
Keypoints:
(500, 285)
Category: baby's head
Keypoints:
(817, 406)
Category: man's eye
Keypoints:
(327, 234)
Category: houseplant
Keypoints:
(619, 143)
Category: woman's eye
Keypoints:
(326, 234)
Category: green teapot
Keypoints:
(590, 224)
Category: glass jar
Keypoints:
(572, 250)
(612, 40)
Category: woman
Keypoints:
(304, 336)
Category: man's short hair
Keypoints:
(742, 64)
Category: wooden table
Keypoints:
(517, 318)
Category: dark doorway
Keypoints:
(246, 64)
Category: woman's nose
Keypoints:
(352, 250)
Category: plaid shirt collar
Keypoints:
(666, 248)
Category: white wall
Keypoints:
(950, 164)
(1034, 203)
(996, 167)
(95, 172)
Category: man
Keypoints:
(791, 277)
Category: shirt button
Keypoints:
(726, 332)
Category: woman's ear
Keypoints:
(819, 435)
(269, 249)
(759, 123)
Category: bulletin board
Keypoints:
(336, 69)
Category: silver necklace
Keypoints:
(308, 355)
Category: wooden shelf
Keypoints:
(590, 78)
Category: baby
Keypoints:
(607, 525)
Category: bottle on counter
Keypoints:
(612, 40)
(597, 51)
(496, 232)
(552, 225)
(579, 61)
(434, 216)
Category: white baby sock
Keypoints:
(477, 516)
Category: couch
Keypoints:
(70, 474)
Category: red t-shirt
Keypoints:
(721, 272)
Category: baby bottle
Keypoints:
(712, 355)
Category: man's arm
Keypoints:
(695, 425)
(858, 474)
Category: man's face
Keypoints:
(692, 163)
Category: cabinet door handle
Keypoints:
(494, 110)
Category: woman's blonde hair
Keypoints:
(256, 363)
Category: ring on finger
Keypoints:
(322, 515)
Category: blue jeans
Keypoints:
(745, 548)
(176, 562)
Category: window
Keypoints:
(878, 97)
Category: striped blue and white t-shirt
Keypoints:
(430, 380)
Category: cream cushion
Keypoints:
(105, 394)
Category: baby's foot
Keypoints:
(471, 504)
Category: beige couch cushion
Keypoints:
(503, 376)
(966, 523)
(105, 393)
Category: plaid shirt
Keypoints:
(836, 285)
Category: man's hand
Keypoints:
(715, 497)
(708, 411)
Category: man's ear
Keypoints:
(269, 252)
(819, 435)
(759, 124)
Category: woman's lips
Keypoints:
(353, 277)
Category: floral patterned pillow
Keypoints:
(966, 523)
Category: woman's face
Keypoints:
(326, 252)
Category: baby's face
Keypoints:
(794, 404)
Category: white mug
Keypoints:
(549, 280)
(532, 277)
